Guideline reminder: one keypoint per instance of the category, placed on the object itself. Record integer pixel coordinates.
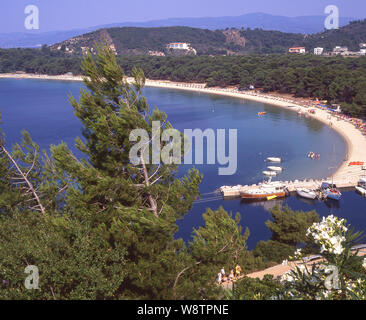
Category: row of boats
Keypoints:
(273, 170)
(326, 191)
(276, 189)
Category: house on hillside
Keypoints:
(186, 48)
(156, 53)
(179, 45)
(318, 51)
(297, 50)
(338, 50)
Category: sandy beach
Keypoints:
(356, 141)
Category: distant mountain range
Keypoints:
(303, 25)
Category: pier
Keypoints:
(234, 191)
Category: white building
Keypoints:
(338, 50)
(179, 45)
(363, 52)
(318, 51)
(297, 50)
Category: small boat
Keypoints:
(262, 113)
(306, 193)
(270, 173)
(330, 191)
(361, 187)
(267, 191)
(274, 159)
(276, 169)
(356, 163)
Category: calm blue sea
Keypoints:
(42, 108)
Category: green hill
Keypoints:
(350, 36)
(137, 41)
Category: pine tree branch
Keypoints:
(153, 206)
(33, 163)
(21, 173)
(179, 275)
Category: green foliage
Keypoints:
(255, 289)
(39, 61)
(289, 227)
(222, 242)
(273, 252)
(74, 261)
(142, 40)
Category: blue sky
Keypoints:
(71, 14)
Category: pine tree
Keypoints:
(137, 205)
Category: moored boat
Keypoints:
(274, 159)
(266, 191)
(330, 191)
(361, 187)
(269, 173)
(276, 169)
(306, 193)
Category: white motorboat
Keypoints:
(361, 187)
(306, 193)
(276, 169)
(274, 159)
(266, 191)
(270, 173)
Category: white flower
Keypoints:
(287, 277)
(364, 263)
(298, 254)
(329, 234)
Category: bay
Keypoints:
(42, 108)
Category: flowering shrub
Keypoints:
(329, 234)
(339, 272)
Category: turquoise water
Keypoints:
(42, 108)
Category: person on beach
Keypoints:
(237, 271)
(219, 278)
(231, 275)
(222, 271)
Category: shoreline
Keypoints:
(355, 141)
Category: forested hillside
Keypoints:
(137, 41)
(350, 36)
